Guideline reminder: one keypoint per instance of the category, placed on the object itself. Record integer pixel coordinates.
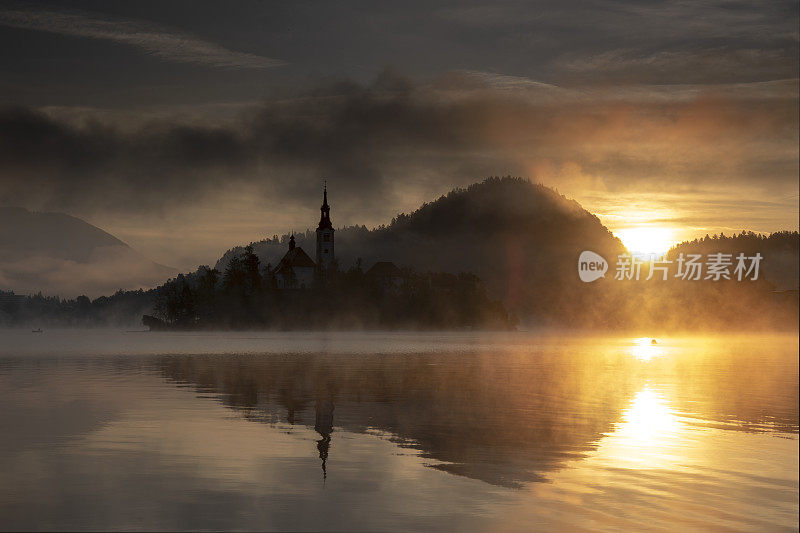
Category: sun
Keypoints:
(647, 240)
(644, 350)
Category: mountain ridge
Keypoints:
(60, 254)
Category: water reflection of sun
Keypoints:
(644, 349)
(648, 420)
(648, 434)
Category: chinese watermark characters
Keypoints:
(688, 267)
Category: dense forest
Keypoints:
(780, 250)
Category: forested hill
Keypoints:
(780, 251)
(523, 239)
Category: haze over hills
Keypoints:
(522, 239)
(58, 254)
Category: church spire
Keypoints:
(325, 257)
(325, 218)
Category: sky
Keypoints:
(188, 127)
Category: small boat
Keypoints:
(37, 330)
(653, 341)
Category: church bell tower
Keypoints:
(325, 254)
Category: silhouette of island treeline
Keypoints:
(513, 242)
(246, 295)
(522, 239)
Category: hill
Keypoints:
(522, 239)
(780, 251)
(59, 254)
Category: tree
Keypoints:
(206, 294)
(250, 267)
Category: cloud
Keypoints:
(628, 41)
(388, 145)
(709, 65)
(152, 39)
(505, 82)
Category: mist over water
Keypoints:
(396, 431)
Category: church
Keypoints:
(297, 270)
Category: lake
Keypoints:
(397, 431)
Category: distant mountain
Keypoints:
(523, 239)
(59, 254)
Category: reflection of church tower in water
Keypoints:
(325, 253)
(323, 424)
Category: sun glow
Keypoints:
(647, 240)
(644, 349)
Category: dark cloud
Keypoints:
(375, 140)
(136, 53)
(164, 43)
(148, 115)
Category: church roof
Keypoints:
(294, 258)
(384, 269)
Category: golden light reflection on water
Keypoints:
(650, 429)
(648, 436)
(644, 349)
(648, 422)
(450, 432)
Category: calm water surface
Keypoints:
(384, 431)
